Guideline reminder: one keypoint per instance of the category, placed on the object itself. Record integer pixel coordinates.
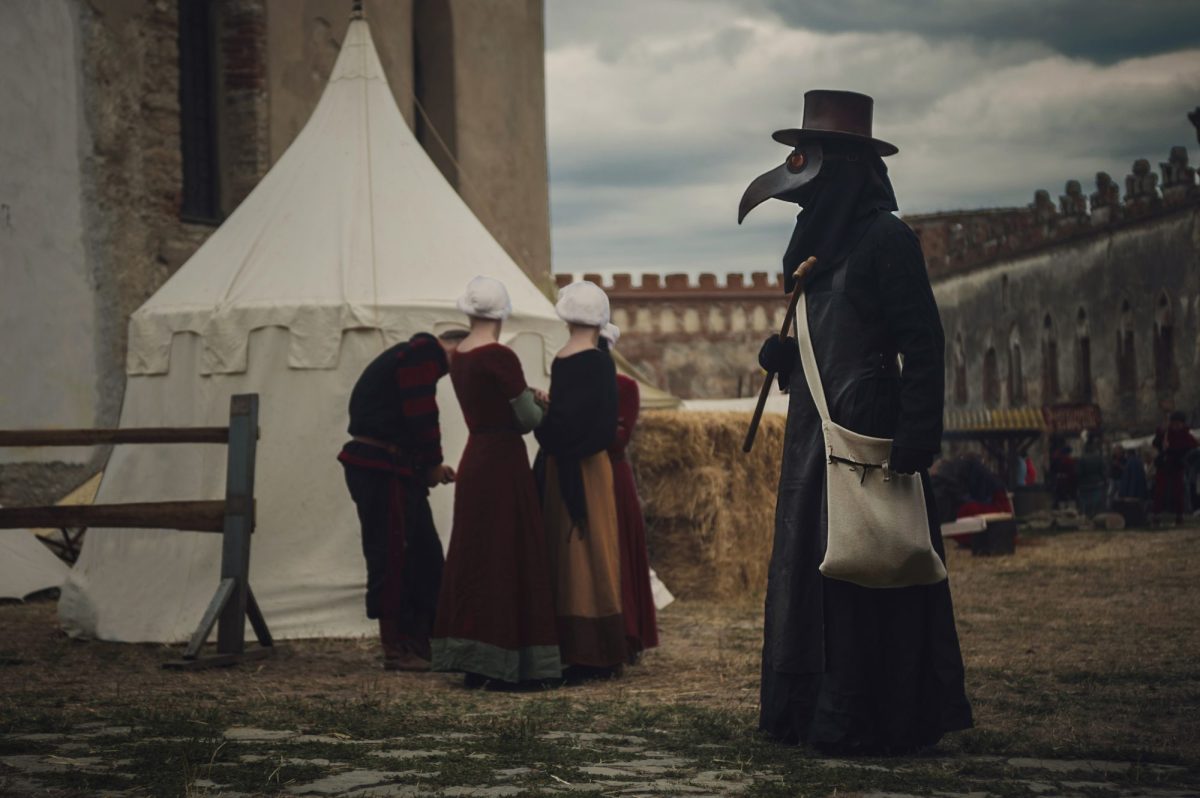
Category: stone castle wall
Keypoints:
(696, 336)
(1105, 279)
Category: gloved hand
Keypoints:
(904, 460)
(779, 355)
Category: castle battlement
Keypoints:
(958, 242)
(682, 286)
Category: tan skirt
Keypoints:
(586, 568)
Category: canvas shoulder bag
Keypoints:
(878, 526)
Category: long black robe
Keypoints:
(844, 667)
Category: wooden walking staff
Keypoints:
(801, 272)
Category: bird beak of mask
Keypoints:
(801, 166)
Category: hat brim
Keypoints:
(795, 136)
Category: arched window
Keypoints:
(1050, 387)
(1083, 358)
(1166, 373)
(1016, 377)
(960, 371)
(991, 378)
(1126, 352)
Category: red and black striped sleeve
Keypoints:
(418, 367)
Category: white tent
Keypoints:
(353, 241)
(27, 566)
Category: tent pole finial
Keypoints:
(356, 9)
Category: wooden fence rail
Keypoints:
(233, 517)
(94, 437)
(202, 516)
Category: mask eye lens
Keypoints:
(796, 161)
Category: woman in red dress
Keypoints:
(637, 597)
(495, 617)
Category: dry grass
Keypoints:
(709, 508)
(1084, 644)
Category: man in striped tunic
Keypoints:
(393, 458)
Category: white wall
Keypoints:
(47, 311)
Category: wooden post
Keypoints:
(239, 521)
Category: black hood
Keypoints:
(852, 184)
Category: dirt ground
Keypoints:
(1082, 646)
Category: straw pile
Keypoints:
(710, 509)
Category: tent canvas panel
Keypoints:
(306, 561)
(26, 565)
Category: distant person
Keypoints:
(1091, 474)
(1133, 479)
(392, 459)
(637, 597)
(1116, 470)
(1173, 443)
(495, 620)
(578, 499)
(1063, 473)
(1191, 465)
(964, 487)
(849, 669)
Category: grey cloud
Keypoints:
(653, 139)
(642, 163)
(1104, 31)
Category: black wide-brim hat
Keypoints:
(831, 115)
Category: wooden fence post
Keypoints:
(239, 520)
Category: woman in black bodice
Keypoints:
(579, 504)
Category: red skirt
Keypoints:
(637, 599)
(495, 616)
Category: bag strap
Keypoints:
(808, 357)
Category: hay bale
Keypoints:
(710, 509)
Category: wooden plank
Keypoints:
(93, 437)
(201, 516)
(239, 520)
(219, 600)
(219, 660)
(257, 622)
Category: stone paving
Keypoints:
(605, 764)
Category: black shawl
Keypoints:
(581, 421)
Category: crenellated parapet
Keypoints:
(680, 286)
(685, 305)
(696, 335)
(960, 241)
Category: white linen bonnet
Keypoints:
(583, 303)
(485, 298)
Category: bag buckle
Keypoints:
(854, 466)
(887, 472)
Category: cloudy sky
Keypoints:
(660, 111)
